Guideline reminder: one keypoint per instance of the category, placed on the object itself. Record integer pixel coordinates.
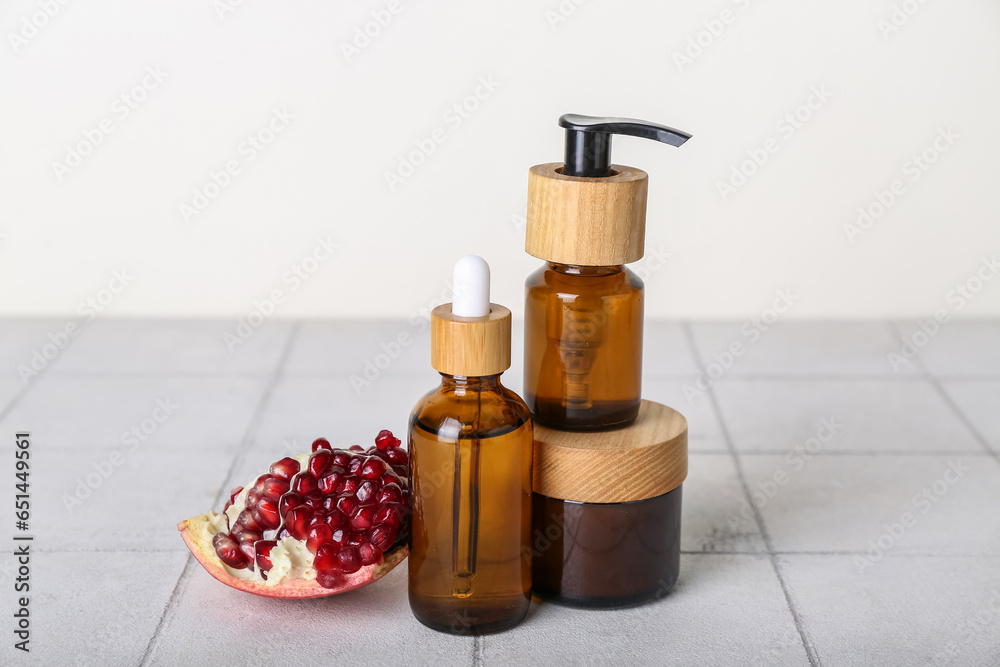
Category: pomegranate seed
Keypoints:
(329, 503)
(398, 456)
(326, 557)
(248, 552)
(319, 462)
(314, 501)
(285, 468)
(349, 560)
(321, 443)
(333, 477)
(401, 470)
(390, 493)
(303, 483)
(268, 510)
(329, 578)
(288, 501)
(356, 448)
(297, 521)
(341, 459)
(235, 492)
(282, 533)
(349, 485)
(384, 439)
(355, 465)
(369, 554)
(382, 537)
(390, 476)
(318, 534)
(263, 549)
(228, 551)
(247, 535)
(380, 454)
(363, 518)
(372, 468)
(252, 498)
(366, 492)
(258, 518)
(389, 514)
(347, 504)
(335, 519)
(339, 538)
(274, 488)
(246, 520)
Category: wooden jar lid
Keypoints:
(644, 460)
(470, 346)
(586, 221)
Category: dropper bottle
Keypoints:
(583, 308)
(470, 443)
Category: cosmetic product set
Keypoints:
(575, 492)
(572, 494)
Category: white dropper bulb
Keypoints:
(472, 287)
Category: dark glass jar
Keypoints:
(606, 555)
(606, 511)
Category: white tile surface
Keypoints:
(801, 348)
(899, 435)
(138, 504)
(666, 351)
(167, 412)
(704, 431)
(979, 401)
(302, 408)
(876, 416)
(717, 516)
(143, 346)
(914, 611)
(960, 348)
(369, 349)
(93, 608)
(841, 503)
(725, 610)
(21, 338)
(215, 625)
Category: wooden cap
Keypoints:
(644, 460)
(586, 221)
(470, 346)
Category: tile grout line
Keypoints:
(252, 426)
(16, 399)
(811, 655)
(952, 405)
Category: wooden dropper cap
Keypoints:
(470, 346)
(470, 337)
(585, 210)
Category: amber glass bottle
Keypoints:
(469, 573)
(470, 471)
(583, 346)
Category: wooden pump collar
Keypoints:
(586, 221)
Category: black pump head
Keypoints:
(588, 141)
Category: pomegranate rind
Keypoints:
(291, 589)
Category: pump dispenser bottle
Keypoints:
(470, 444)
(584, 309)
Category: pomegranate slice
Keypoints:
(312, 526)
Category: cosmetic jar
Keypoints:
(606, 511)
